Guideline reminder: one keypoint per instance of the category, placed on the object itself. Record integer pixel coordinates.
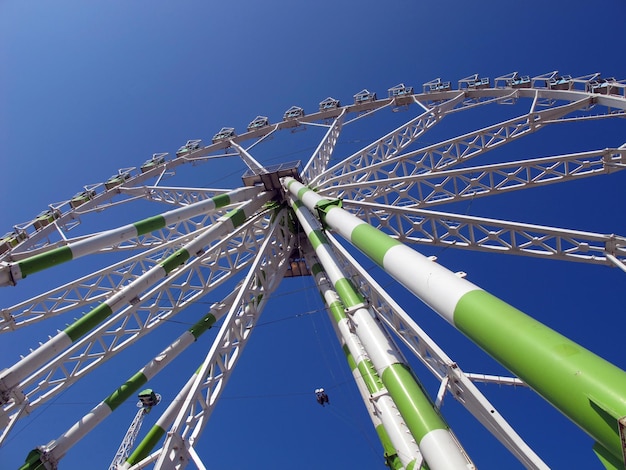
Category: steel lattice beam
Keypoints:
(386, 147)
(492, 235)
(264, 276)
(231, 255)
(440, 187)
(451, 152)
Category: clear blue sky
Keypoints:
(87, 88)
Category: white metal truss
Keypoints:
(441, 187)
(264, 276)
(481, 234)
(324, 151)
(161, 302)
(453, 151)
(172, 195)
(388, 146)
(97, 286)
(389, 182)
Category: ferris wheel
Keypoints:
(387, 197)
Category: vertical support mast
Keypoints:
(432, 434)
(584, 387)
(398, 444)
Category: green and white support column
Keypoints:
(392, 459)
(401, 449)
(436, 443)
(583, 386)
(156, 433)
(54, 451)
(11, 377)
(12, 272)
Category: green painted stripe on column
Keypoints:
(325, 205)
(349, 357)
(412, 402)
(372, 242)
(337, 311)
(204, 324)
(174, 260)
(316, 269)
(221, 200)
(317, 238)
(297, 204)
(391, 455)
(150, 224)
(370, 377)
(302, 192)
(348, 293)
(585, 387)
(44, 260)
(413, 465)
(237, 217)
(146, 445)
(33, 461)
(125, 390)
(607, 459)
(81, 326)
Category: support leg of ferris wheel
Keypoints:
(431, 433)
(401, 450)
(584, 387)
(12, 376)
(392, 459)
(453, 380)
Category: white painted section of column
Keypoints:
(441, 452)
(167, 355)
(377, 344)
(435, 285)
(130, 292)
(126, 232)
(342, 221)
(59, 447)
(386, 412)
(102, 240)
(12, 376)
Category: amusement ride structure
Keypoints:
(301, 219)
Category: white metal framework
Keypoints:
(393, 182)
